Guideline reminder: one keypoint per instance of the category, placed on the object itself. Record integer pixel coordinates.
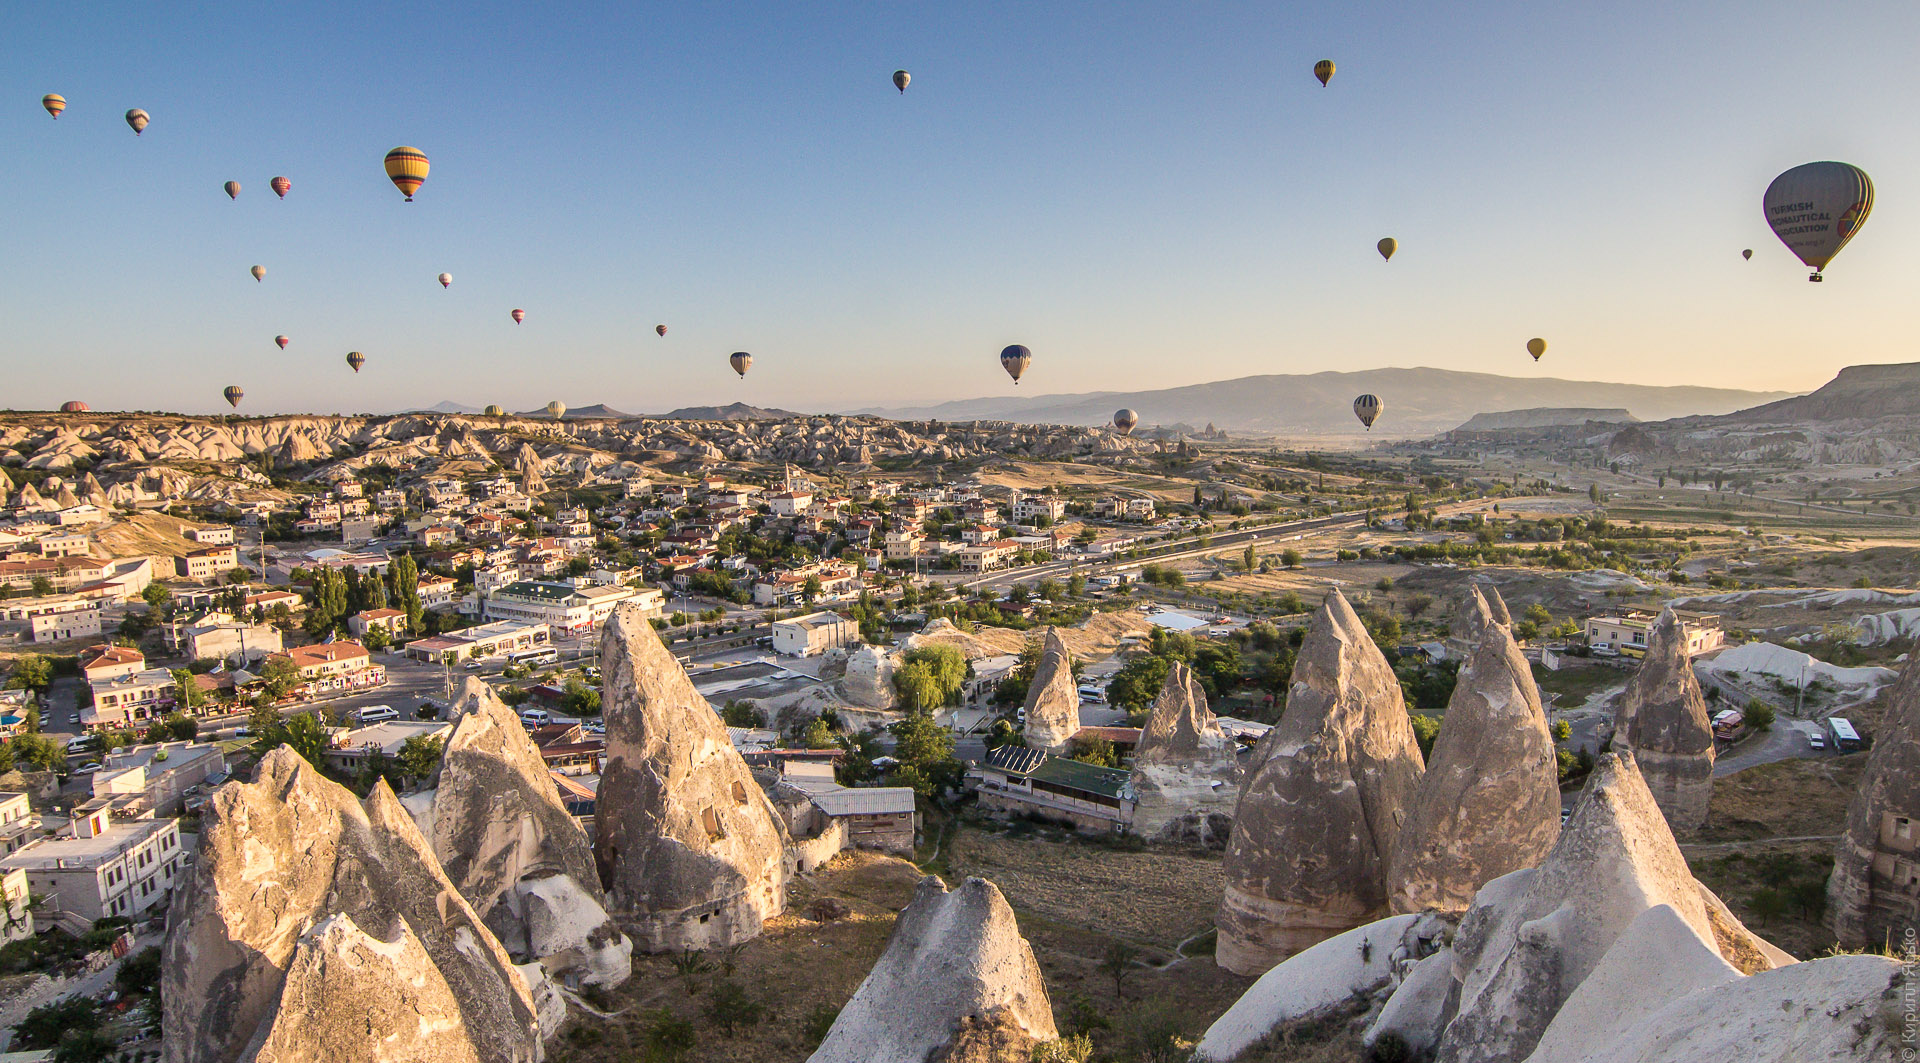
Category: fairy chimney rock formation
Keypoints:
(1662, 717)
(1470, 618)
(497, 826)
(317, 927)
(1533, 937)
(869, 679)
(1496, 605)
(1871, 898)
(1184, 765)
(1489, 802)
(1318, 815)
(690, 851)
(1053, 703)
(956, 968)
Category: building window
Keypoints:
(1902, 827)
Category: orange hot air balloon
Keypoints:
(75, 406)
(233, 189)
(1324, 71)
(446, 280)
(137, 118)
(54, 103)
(519, 315)
(282, 341)
(407, 169)
(280, 186)
(356, 360)
(661, 329)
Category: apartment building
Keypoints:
(208, 563)
(99, 867)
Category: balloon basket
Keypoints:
(1816, 278)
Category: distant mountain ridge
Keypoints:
(1542, 418)
(733, 411)
(1856, 392)
(1419, 402)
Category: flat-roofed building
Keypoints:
(566, 609)
(1626, 633)
(119, 701)
(161, 774)
(813, 634)
(1017, 780)
(100, 867)
(212, 535)
(500, 637)
(222, 638)
(347, 750)
(207, 563)
(66, 624)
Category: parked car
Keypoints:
(73, 719)
(1816, 742)
(533, 718)
(87, 769)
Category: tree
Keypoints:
(1096, 751)
(302, 732)
(580, 699)
(420, 756)
(743, 714)
(1248, 558)
(31, 671)
(42, 586)
(38, 752)
(1425, 730)
(1810, 896)
(176, 726)
(376, 638)
(919, 741)
(1290, 557)
(1768, 904)
(1418, 604)
(930, 677)
(406, 590)
(44, 1026)
(279, 677)
(1593, 493)
(1562, 730)
(1117, 963)
(810, 590)
(186, 691)
(1759, 715)
(728, 1007)
(156, 595)
(1135, 685)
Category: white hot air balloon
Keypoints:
(1124, 420)
(1367, 407)
(1816, 208)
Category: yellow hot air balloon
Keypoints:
(1324, 71)
(556, 409)
(137, 118)
(495, 411)
(1368, 407)
(232, 189)
(54, 103)
(1536, 347)
(741, 361)
(1388, 245)
(234, 395)
(356, 360)
(258, 272)
(407, 168)
(900, 79)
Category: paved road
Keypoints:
(1787, 739)
(1219, 542)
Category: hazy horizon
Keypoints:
(1148, 197)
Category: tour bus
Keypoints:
(373, 714)
(533, 658)
(1845, 738)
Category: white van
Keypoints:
(1090, 692)
(533, 718)
(373, 714)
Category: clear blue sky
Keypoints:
(1145, 194)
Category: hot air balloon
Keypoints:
(258, 272)
(233, 189)
(137, 118)
(1015, 360)
(741, 361)
(1324, 71)
(356, 360)
(1536, 347)
(75, 406)
(234, 395)
(556, 409)
(281, 186)
(900, 79)
(1124, 420)
(519, 315)
(1815, 209)
(407, 168)
(446, 280)
(1367, 407)
(282, 341)
(661, 329)
(54, 103)
(495, 411)
(1747, 254)
(1388, 245)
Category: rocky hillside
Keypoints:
(1544, 417)
(117, 458)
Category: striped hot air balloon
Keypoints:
(233, 395)
(1124, 420)
(137, 118)
(495, 411)
(1367, 407)
(280, 186)
(741, 361)
(282, 341)
(356, 360)
(75, 406)
(54, 103)
(661, 329)
(407, 168)
(518, 315)
(1324, 71)
(233, 189)
(556, 409)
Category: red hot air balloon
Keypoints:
(519, 315)
(661, 329)
(75, 406)
(282, 341)
(280, 185)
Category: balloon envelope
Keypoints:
(234, 395)
(258, 272)
(280, 186)
(233, 189)
(1124, 420)
(556, 409)
(446, 280)
(661, 329)
(75, 406)
(1324, 71)
(519, 316)
(1015, 360)
(1367, 407)
(741, 361)
(1816, 208)
(137, 118)
(1747, 254)
(407, 169)
(1536, 347)
(900, 79)
(54, 103)
(495, 411)
(1388, 245)
(282, 341)
(356, 360)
